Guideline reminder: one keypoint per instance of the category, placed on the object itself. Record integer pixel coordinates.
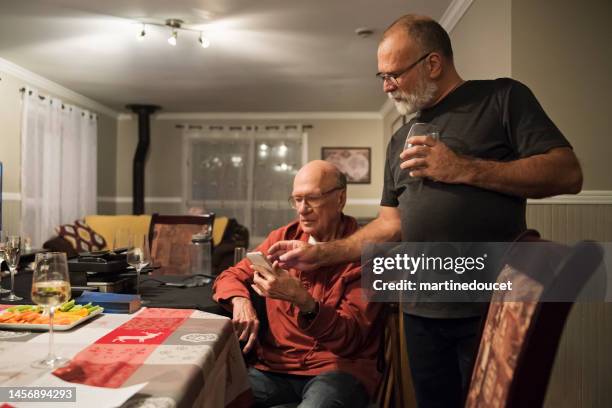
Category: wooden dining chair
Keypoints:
(520, 338)
(395, 388)
(170, 238)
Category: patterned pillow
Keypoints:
(81, 236)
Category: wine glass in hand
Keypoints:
(50, 288)
(12, 251)
(138, 256)
(421, 129)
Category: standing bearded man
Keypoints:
(497, 148)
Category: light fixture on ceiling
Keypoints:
(204, 42)
(364, 32)
(172, 38)
(142, 34)
(175, 25)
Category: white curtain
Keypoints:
(244, 173)
(58, 165)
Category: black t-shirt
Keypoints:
(497, 120)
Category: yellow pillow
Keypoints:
(219, 229)
(106, 225)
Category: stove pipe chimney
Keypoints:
(144, 136)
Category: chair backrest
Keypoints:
(389, 391)
(395, 387)
(520, 339)
(170, 237)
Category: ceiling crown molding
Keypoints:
(456, 9)
(54, 88)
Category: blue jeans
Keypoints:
(327, 390)
(441, 353)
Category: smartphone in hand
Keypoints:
(258, 258)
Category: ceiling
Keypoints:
(265, 55)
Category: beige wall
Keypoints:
(561, 50)
(10, 124)
(107, 156)
(392, 121)
(10, 146)
(164, 171)
(481, 40)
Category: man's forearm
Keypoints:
(556, 172)
(349, 249)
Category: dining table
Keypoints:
(178, 351)
(156, 357)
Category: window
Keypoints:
(245, 174)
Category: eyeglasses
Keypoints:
(312, 201)
(393, 76)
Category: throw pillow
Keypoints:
(81, 237)
(59, 244)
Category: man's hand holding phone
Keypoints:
(270, 280)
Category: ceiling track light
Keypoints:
(142, 34)
(175, 25)
(204, 42)
(172, 38)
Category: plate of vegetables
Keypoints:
(32, 317)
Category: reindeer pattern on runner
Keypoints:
(141, 339)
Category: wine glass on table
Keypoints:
(12, 252)
(239, 254)
(2, 259)
(139, 256)
(121, 240)
(50, 288)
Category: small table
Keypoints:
(187, 358)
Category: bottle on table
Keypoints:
(200, 254)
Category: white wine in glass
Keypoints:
(138, 256)
(50, 288)
(12, 252)
(51, 293)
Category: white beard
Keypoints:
(422, 95)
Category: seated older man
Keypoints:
(320, 349)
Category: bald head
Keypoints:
(423, 31)
(321, 173)
(319, 195)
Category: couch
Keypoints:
(227, 235)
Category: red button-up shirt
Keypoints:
(345, 333)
